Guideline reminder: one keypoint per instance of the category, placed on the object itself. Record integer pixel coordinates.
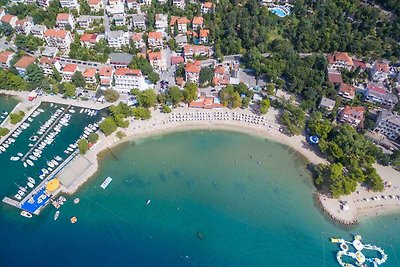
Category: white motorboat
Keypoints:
(30, 145)
(21, 193)
(50, 164)
(45, 171)
(72, 111)
(30, 185)
(25, 165)
(17, 196)
(50, 169)
(148, 202)
(72, 146)
(58, 158)
(14, 158)
(32, 157)
(26, 214)
(5, 145)
(19, 154)
(106, 182)
(41, 177)
(56, 215)
(30, 163)
(66, 151)
(2, 148)
(40, 110)
(54, 162)
(70, 149)
(31, 180)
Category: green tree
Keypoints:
(147, 98)
(264, 106)
(93, 137)
(120, 135)
(108, 126)
(17, 117)
(206, 75)
(245, 102)
(4, 131)
(141, 113)
(35, 76)
(69, 89)
(153, 77)
(78, 79)
(174, 95)
(111, 95)
(189, 92)
(235, 100)
(166, 109)
(83, 146)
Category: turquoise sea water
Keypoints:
(7, 103)
(248, 198)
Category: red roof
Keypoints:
(21, 22)
(94, 2)
(354, 111)
(375, 88)
(183, 20)
(89, 73)
(194, 49)
(89, 38)
(155, 35)
(70, 67)
(24, 62)
(105, 71)
(46, 60)
(154, 55)
(346, 88)
(173, 20)
(207, 4)
(176, 60)
(63, 16)
(5, 55)
(197, 20)
(7, 18)
(359, 64)
(204, 33)
(55, 33)
(335, 77)
(127, 72)
(192, 67)
(383, 67)
(219, 70)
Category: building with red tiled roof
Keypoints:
(182, 23)
(155, 40)
(137, 39)
(95, 5)
(89, 39)
(65, 20)
(106, 74)
(335, 77)
(197, 23)
(206, 103)
(126, 79)
(158, 60)
(69, 70)
(173, 21)
(221, 75)
(47, 65)
(90, 75)
(23, 63)
(204, 36)
(9, 19)
(377, 95)
(192, 51)
(58, 38)
(24, 26)
(175, 60)
(192, 71)
(5, 59)
(340, 60)
(380, 71)
(347, 91)
(353, 116)
(206, 7)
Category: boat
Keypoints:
(148, 202)
(106, 182)
(54, 162)
(72, 146)
(70, 149)
(58, 158)
(50, 164)
(26, 214)
(335, 240)
(56, 215)
(45, 171)
(14, 158)
(21, 193)
(19, 154)
(25, 165)
(32, 157)
(17, 196)
(30, 163)
(31, 180)
(74, 219)
(30, 185)
(72, 111)
(76, 200)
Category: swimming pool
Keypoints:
(279, 11)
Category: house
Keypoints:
(23, 63)
(106, 76)
(65, 21)
(181, 40)
(161, 23)
(43, 3)
(206, 7)
(380, 71)
(137, 40)
(155, 40)
(139, 21)
(221, 75)
(179, 3)
(176, 60)
(84, 21)
(117, 39)
(24, 26)
(327, 104)
(192, 72)
(347, 91)
(89, 39)
(158, 60)
(47, 65)
(120, 60)
(172, 22)
(38, 30)
(5, 59)
(203, 37)
(133, 5)
(69, 70)
(206, 102)
(119, 20)
(162, 2)
(90, 75)
(340, 60)
(70, 4)
(58, 38)
(182, 24)
(192, 51)
(9, 19)
(388, 124)
(116, 8)
(378, 95)
(126, 79)
(95, 5)
(353, 116)
(197, 23)
(335, 77)
(145, 2)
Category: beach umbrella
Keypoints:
(53, 185)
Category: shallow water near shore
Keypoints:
(7, 103)
(218, 198)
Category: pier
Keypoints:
(46, 132)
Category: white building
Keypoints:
(24, 26)
(179, 3)
(58, 38)
(126, 79)
(388, 124)
(139, 21)
(380, 71)
(43, 3)
(161, 23)
(38, 30)
(65, 20)
(117, 39)
(71, 4)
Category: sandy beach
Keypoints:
(361, 204)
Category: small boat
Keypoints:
(26, 214)
(148, 202)
(30, 163)
(32, 157)
(81, 110)
(56, 215)
(54, 162)
(19, 154)
(58, 158)
(45, 171)
(74, 219)
(50, 164)
(106, 182)
(40, 110)
(72, 111)
(17, 196)
(72, 146)
(50, 169)
(14, 158)
(21, 193)
(76, 200)
(25, 165)
(42, 176)
(30, 185)
(31, 180)
(70, 149)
